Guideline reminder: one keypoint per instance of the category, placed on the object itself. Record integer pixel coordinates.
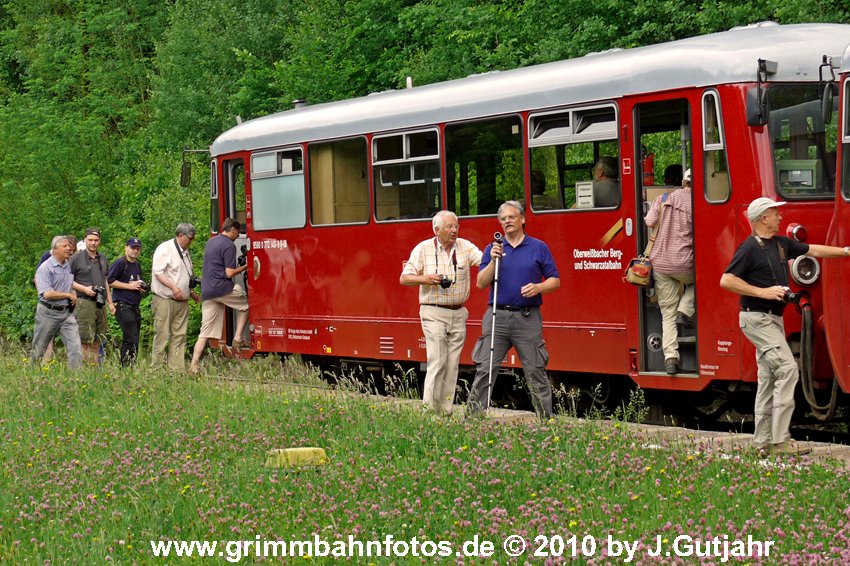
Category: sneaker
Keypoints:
(684, 320)
(671, 366)
(789, 447)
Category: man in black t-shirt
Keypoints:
(125, 277)
(758, 273)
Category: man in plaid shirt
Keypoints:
(441, 266)
(672, 259)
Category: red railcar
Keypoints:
(335, 195)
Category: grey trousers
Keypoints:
(525, 334)
(49, 323)
(777, 376)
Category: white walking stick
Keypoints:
(497, 238)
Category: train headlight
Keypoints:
(805, 270)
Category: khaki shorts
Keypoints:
(213, 311)
(92, 321)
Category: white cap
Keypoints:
(760, 206)
(687, 175)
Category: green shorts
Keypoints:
(92, 321)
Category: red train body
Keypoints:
(335, 196)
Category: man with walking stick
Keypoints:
(521, 269)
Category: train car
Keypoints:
(836, 275)
(334, 196)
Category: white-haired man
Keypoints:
(758, 273)
(441, 266)
(56, 300)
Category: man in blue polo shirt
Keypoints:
(56, 300)
(219, 291)
(527, 270)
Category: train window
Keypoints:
(804, 148)
(406, 175)
(339, 182)
(214, 216)
(574, 159)
(277, 190)
(717, 185)
(484, 165)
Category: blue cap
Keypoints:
(134, 243)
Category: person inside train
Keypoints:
(606, 184)
(672, 259)
(673, 175)
(539, 199)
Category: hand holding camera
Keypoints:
(243, 258)
(791, 297)
(99, 295)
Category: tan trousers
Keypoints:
(777, 376)
(170, 320)
(667, 290)
(445, 332)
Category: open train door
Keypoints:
(234, 205)
(836, 273)
(662, 137)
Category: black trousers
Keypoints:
(129, 318)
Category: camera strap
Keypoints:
(437, 259)
(781, 252)
(183, 255)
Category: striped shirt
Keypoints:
(673, 251)
(430, 256)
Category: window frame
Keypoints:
(278, 171)
(309, 184)
(571, 136)
(376, 166)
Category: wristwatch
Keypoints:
(846, 250)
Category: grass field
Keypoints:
(101, 462)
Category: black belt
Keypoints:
(54, 307)
(124, 304)
(513, 308)
(450, 307)
(774, 312)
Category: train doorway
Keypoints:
(236, 207)
(663, 153)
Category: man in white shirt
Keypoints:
(441, 267)
(170, 284)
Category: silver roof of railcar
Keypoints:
(720, 58)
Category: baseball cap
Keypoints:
(92, 232)
(687, 175)
(134, 243)
(760, 206)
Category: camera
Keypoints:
(791, 297)
(243, 259)
(445, 282)
(194, 282)
(144, 287)
(99, 295)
